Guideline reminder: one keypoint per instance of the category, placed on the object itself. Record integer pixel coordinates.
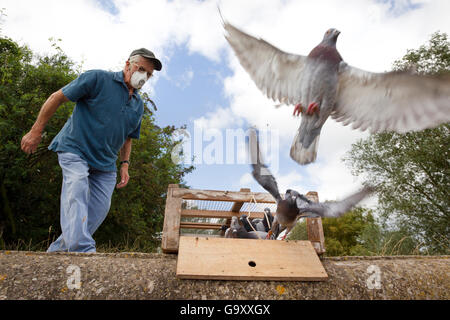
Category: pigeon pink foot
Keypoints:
(313, 107)
(298, 109)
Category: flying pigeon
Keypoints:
(295, 205)
(321, 85)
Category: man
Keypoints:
(106, 117)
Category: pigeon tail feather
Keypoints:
(304, 155)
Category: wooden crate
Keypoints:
(174, 212)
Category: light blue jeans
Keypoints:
(85, 201)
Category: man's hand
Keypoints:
(30, 141)
(124, 176)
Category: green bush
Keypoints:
(30, 185)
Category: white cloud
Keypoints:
(293, 180)
(184, 79)
(246, 180)
(372, 38)
(222, 118)
(105, 40)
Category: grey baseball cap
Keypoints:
(149, 55)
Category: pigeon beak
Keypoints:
(337, 32)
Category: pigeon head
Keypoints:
(234, 222)
(234, 226)
(291, 194)
(331, 36)
(290, 201)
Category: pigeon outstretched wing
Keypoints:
(392, 101)
(276, 73)
(260, 171)
(333, 209)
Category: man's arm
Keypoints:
(31, 140)
(124, 155)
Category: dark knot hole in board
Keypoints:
(252, 264)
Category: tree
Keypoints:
(30, 186)
(412, 170)
(379, 241)
(343, 236)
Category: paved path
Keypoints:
(37, 275)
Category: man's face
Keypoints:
(142, 65)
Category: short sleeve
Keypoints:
(81, 87)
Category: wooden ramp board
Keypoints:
(244, 259)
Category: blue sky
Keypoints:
(108, 5)
(202, 82)
(398, 8)
(181, 100)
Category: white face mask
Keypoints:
(138, 79)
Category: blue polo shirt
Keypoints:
(103, 118)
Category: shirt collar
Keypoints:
(118, 76)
